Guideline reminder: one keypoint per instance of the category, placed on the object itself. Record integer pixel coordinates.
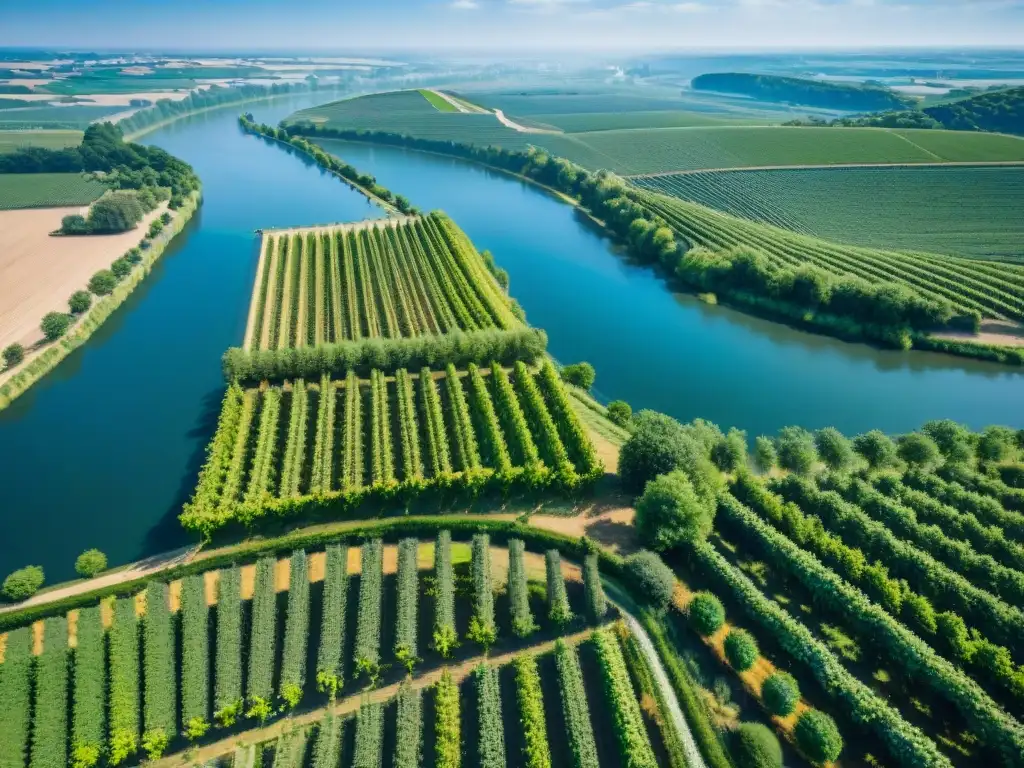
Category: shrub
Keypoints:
(765, 456)
(90, 562)
(116, 212)
(581, 375)
(134, 255)
(23, 583)
(796, 450)
(660, 444)
(13, 354)
(55, 325)
(706, 613)
(155, 227)
(995, 444)
(834, 449)
(918, 450)
(619, 412)
(652, 577)
(818, 737)
(670, 513)
(80, 302)
(74, 224)
(877, 449)
(741, 649)
(103, 282)
(121, 268)
(756, 746)
(780, 693)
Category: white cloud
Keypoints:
(690, 8)
(546, 3)
(465, 5)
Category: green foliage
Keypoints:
(653, 580)
(780, 694)
(730, 453)
(55, 325)
(445, 636)
(659, 444)
(706, 613)
(492, 732)
(670, 513)
(574, 707)
(581, 375)
(408, 602)
(482, 628)
(918, 450)
(296, 631)
(741, 649)
(818, 737)
(227, 692)
(80, 302)
(121, 268)
(834, 450)
(160, 683)
(797, 90)
(103, 282)
(262, 640)
(195, 657)
(757, 747)
(329, 667)
(559, 611)
(328, 747)
(369, 736)
(409, 728)
(116, 212)
(765, 455)
(634, 745)
(371, 595)
(593, 591)
(877, 449)
(447, 728)
(619, 412)
(13, 355)
(537, 754)
(796, 450)
(50, 719)
(23, 583)
(90, 563)
(125, 682)
(518, 590)
(15, 696)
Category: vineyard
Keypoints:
(915, 209)
(992, 289)
(399, 279)
(47, 190)
(12, 140)
(189, 640)
(336, 443)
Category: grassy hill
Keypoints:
(1001, 111)
(795, 90)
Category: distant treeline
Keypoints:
(811, 93)
(103, 150)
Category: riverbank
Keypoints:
(36, 366)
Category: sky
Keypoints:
(506, 25)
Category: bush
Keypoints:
(918, 450)
(730, 452)
(579, 374)
(780, 693)
(995, 444)
(706, 613)
(877, 449)
(619, 412)
(23, 583)
(755, 746)
(652, 577)
(155, 227)
(121, 268)
(90, 562)
(660, 444)
(116, 212)
(796, 450)
(80, 302)
(55, 325)
(74, 225)
(741, 649)
(834, 449)
(818, 737)
(765, 456)
(134, 255)
(670, 513)
(13, 354)
(103, 282)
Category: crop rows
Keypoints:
(409, 727)
(88, 733)
(125, 682)
(559, 611)
(575, 708)
(447, 725)
(634, 745)
(518, 591)
(262, 640)
(369, 736)
(227, 692)
(50, 720)
(408, 602)
(531, 713)
(597, 603)
(492, 732)
(327, 750)
(15, 696)
(445, 635)
(380, 280)
(371, 595)
(296, 631)
(374, 438)
(482, 628)
(160, 715)
(195, 656)
(329, 671)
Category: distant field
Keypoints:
(47, 190)
(12, 140)
(440, 104)
(74, 115)
(669, 149)
(536, 104)
(957, 210)
(612, 121)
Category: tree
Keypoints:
(659, 444)
(652, 577)
(581, 375)
(13, 354)
(954, 440)
(23, 583)
(818, 737)
(918, 450)
(90, 562)
(55, 325)
(765, 456)
(834, 449)
(995, 444)
(121, 268)
(706, 613)
(780, 694)
(670, 513)
(117, 212)
(730, 452)
(103, 282)
(80, 302)
(755, 746)
(74, 224)
(741, 649)
(796, 450)
(877, 449)
(619, 412)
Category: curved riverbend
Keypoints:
(103, 451)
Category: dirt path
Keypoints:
(351, 704)
(838, 166)
(521, 128)
(458, 105)
(256, 297)
(1002, 333)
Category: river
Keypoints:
(104, 450)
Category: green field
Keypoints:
(968, 211)
(613, 121)
(77, 116)
(440, 104)
(13, 140)
(47, 190)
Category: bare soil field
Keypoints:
(38, 273)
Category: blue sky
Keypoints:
(508, 25)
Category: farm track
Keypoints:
(697, 171)
(258, 303)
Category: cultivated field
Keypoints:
(47, 190)
(12, 140)
(967, 211)
(993, 289)
(73, 116)
(581, 122)
(399, 278)
(38, 272)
